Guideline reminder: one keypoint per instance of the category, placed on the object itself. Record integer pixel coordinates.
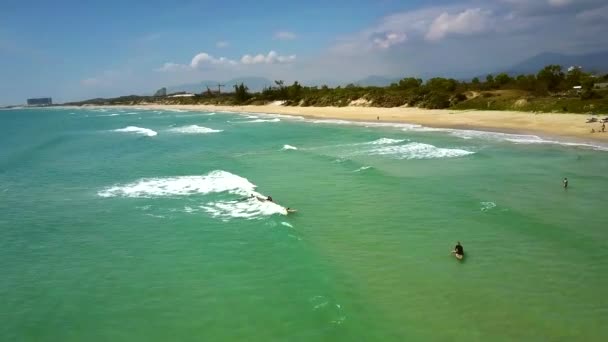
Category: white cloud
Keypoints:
(284, 35)
(271, 58)
(470, 21)
(222, 44)
(203, 59)
(388, 39)
(169, 67)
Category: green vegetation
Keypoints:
(550, 90)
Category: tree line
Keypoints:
(437, 92)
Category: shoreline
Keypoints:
(548, 125)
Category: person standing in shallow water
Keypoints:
(565, 183)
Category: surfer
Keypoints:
(458, 251)
(291, 210)
(269, 198)
(565, 183)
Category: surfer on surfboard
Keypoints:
(458, 251)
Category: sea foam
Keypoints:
(288, 147)
(194, 129)
(139, 130)
(248, 209)
(213, 182)
(260, 120)
(418, 151)
(385, 141)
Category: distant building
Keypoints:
(43, 101)
(161, 92)
(601, 85)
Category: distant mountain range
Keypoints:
(596, 62)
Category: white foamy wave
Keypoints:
(362, 168)
(385, 141)
(249, 209)
(286, 224)
(518, 138)
(214, 182)
(139, 130)
(485, 206)
(212, 113)
(288, 147)
(419, 151)
(403, 126)
(194, 129)
(261, 120)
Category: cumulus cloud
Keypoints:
(467, 22)
(204, 59)
(387, 39)
(271, 58)
(284, 35)
(222, 44)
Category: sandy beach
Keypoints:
(572, 126)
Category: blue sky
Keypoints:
(82, 49)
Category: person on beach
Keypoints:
(565, 183)
(603, 127)
(458, 251)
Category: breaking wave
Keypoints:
(260, 120)
(194, 129)
(213, 182)
(249, 209)
(385, 141)
(288, 147)
(244, 206)
(418, 151)
(139, 130)
(518, 138)
(363, 168)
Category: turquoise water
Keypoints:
(147, 234)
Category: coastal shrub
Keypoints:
(436, 100)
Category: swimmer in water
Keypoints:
(565, 183)
(291, 210)
(458, 251)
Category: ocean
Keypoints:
(132, 224)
